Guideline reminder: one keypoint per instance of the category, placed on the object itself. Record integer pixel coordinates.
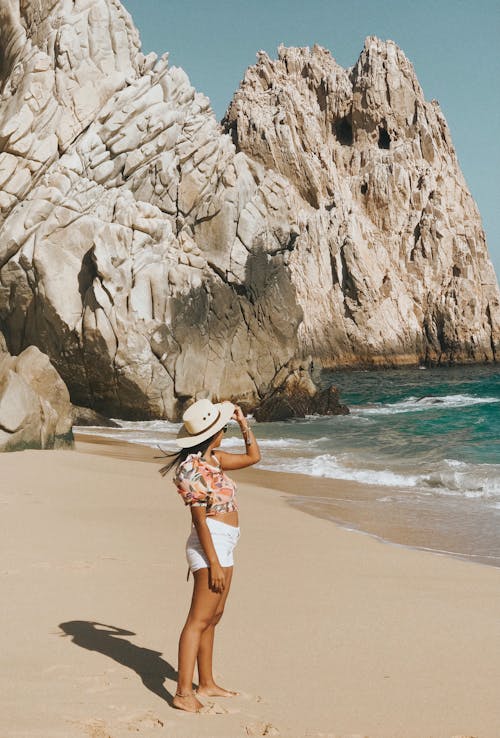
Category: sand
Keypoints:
(327, 632)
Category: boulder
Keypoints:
(296, 396)
(85, 416)
(35, 410)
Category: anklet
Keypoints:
(179, 694)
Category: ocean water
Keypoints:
(420, 448)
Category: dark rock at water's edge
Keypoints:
(35, 410)
(85, 416)
(296, 395)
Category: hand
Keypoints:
(217, 578)
(238, 415)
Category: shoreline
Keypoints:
(306, 493)
(325, 633)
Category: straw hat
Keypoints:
(202, 420)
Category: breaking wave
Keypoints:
(425, 403)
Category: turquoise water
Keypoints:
(424, 446)
(458, 411)
(421, 445)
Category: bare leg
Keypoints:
(207, 686)
(201, 614)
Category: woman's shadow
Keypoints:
(148, 664)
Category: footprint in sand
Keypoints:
(143, 721)
(261, 729)
(253, 697)
(93, 728)
(212, 708)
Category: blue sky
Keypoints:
(453, 45)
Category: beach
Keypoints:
(327, 632)
(414, 462)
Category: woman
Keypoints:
(202, 483)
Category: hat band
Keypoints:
(203, 430)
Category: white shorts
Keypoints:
(224, 537)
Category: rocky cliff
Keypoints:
(392, 263)
(153, 253)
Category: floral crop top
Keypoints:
(201, 484)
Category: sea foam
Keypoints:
(423, 404)
(468, 481)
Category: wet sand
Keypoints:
(367, 508)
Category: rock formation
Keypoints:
(85, 416)
(394, 266)
(35, 409)
(153, 253)
(294, 394)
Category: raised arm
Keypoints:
(252, 455)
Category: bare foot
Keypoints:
(187, 702)
(213, 690)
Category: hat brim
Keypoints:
(186, 440)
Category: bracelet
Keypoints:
(246, 431)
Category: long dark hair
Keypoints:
(179, 456)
